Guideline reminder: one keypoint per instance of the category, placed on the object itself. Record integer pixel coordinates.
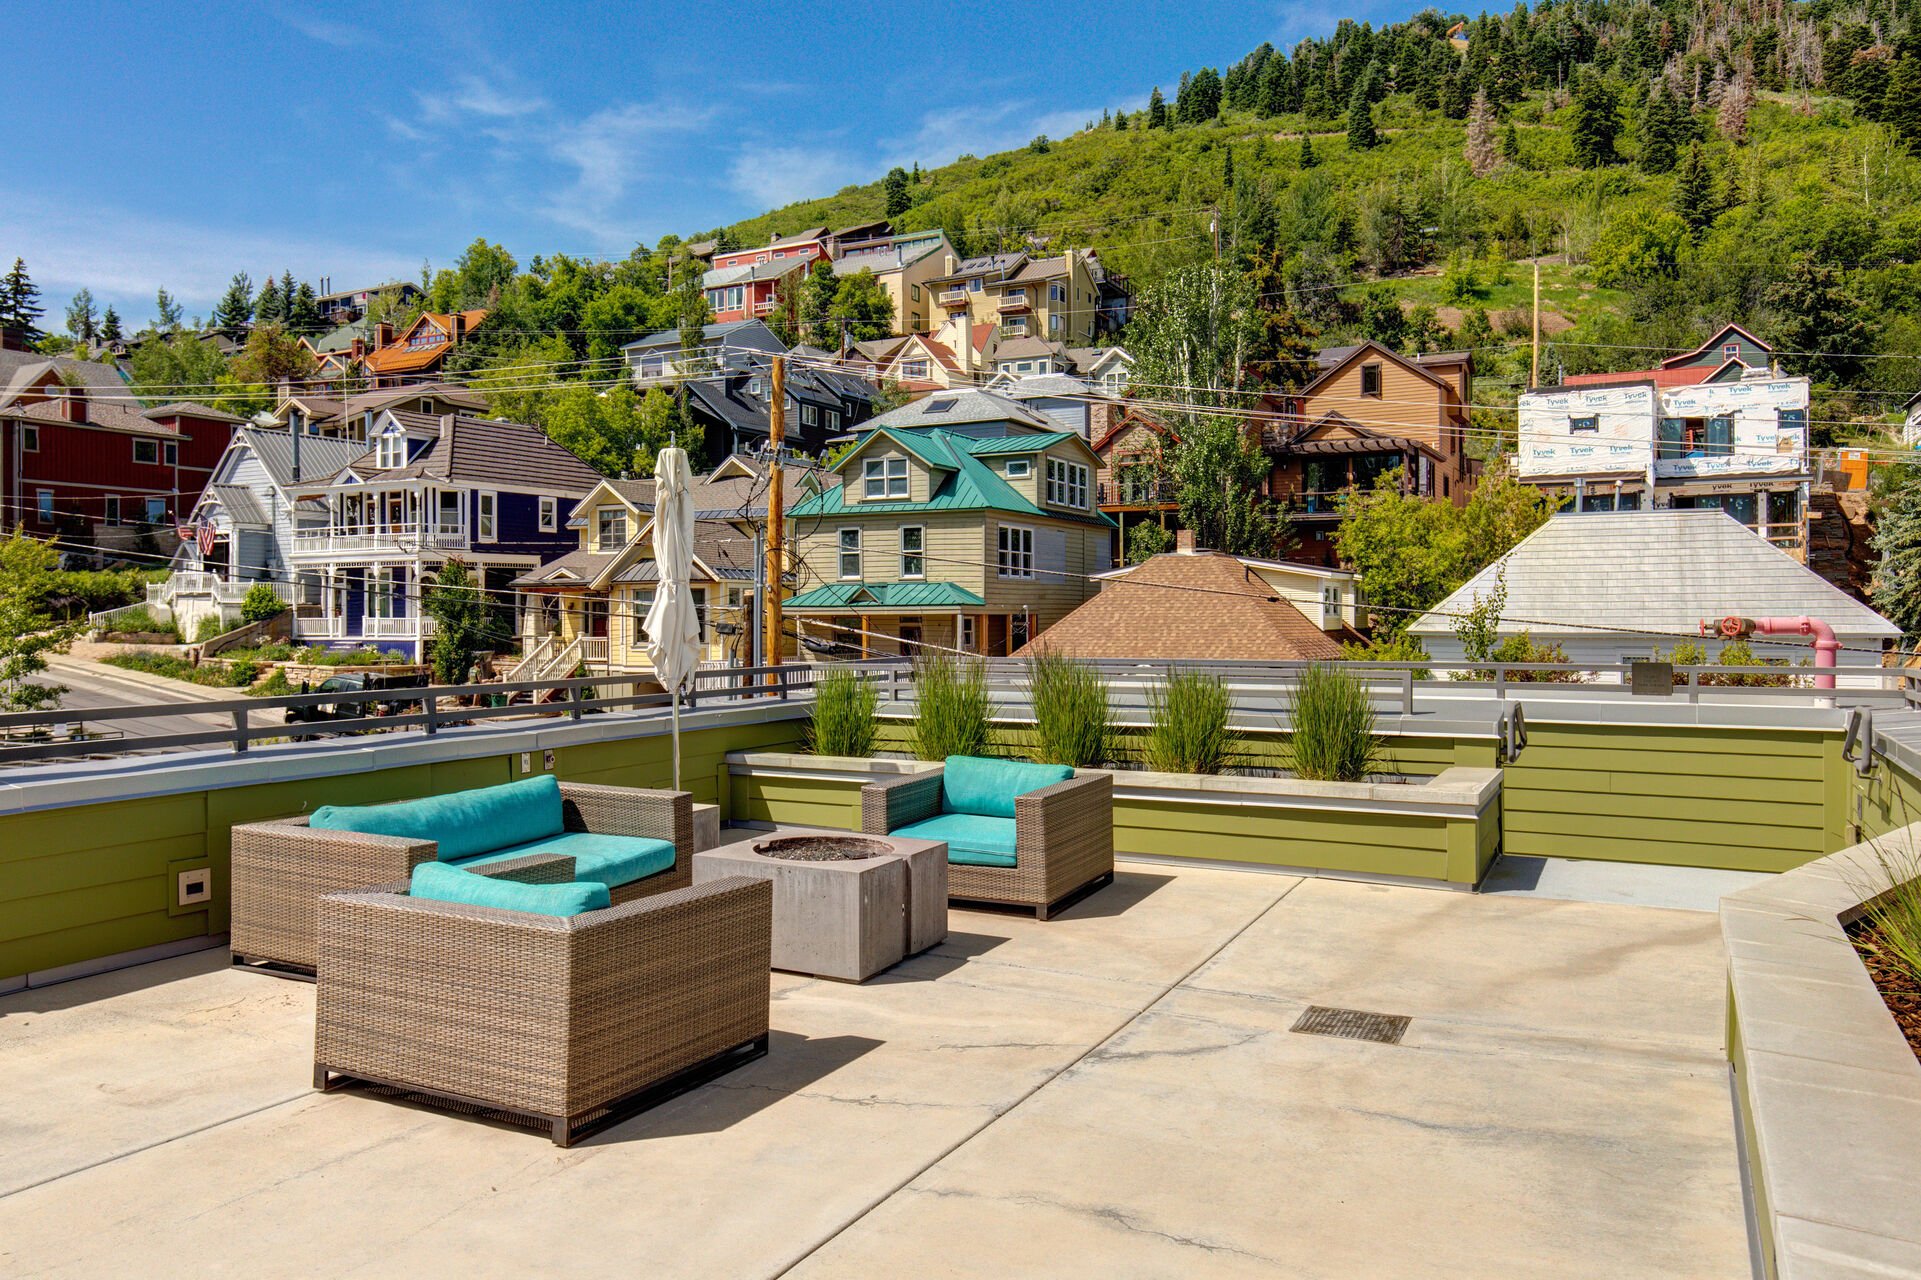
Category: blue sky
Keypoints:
(156, 145)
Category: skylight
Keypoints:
(941, 404)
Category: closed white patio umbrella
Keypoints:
(673, 627)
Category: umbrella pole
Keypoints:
(676, 737)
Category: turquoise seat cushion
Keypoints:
(972, 840)
(609, 860)
(439, 882)
(465, 823)
(970, 784)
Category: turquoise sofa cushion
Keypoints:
(439, 882)
(970, 784)
(972, 840)
(609, 860)
(465, 823)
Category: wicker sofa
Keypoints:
(282, 867)
(1035, 836)
(571, 1023)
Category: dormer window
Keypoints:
(1019, 468)
(1732, 351)
(390, 450)
(885, 477)
(610, 528)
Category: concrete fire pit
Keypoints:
(845, 906)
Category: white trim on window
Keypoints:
(850, 554)
(549, 514)
(1019, 468)
(1015, 544)
(610, 528)
(1067, 483)
(884, 477)
(150, 449)
(913, 551)
(112, 508)
(29, 438)
(486, 515)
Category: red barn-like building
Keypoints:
(80, 457)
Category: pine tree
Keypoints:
(166, 312)
(1665, 128)
(1901, 104)
(20, 308)
(1184, 98)
(1483, 156)
(1120, 122)
(894, 186)
(1731, 118)
(1271, 96)
(1156, 110)
(1595, 124)
(817, 323)
(1457, 94)
(1511, 144)
(1826, 328)
(234, 311)
(1897, 540)
(82, 319)
(1694, 197)
(303, 313)
(268, 306)
(1361, 134)
(1308, 158)
(110, 330)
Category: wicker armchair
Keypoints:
(1064, 839)
(571, 1023)
(282, 868)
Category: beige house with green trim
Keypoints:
(1055, 298)
(585, 610)
(962, 521)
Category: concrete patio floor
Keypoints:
(1115, 1093)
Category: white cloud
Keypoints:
(340, 35)
(489, 99)
(126, 256)
(772, 176)
(611, 152)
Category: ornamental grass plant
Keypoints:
(844, 720)
(1334, 738)
(1187, 724)
(1072, 725)
(951, 707)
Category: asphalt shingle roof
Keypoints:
(487, 451)
(959, 406)
(1192, 606)
(1659, 572)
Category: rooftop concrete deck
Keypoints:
(1114, 1093)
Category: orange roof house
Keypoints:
(415, 355)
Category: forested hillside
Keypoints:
(1675, 165)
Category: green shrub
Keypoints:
(951, 707)
(274, 686)
(140, 622)
(260, 603)
(214, 675)
(1187, 724)
(843, 722)
(210, 626)
(1071, 724)
(1387, 648)
(1334, 739)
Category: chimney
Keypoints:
(773, 238)
(75, 404)
(456, 327)
(1184, 542)
(358, 349)
(948, 265)
(383, 335)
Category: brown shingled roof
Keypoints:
(1192, 606)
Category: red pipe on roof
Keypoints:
(1827, 649)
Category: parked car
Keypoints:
(358, 682)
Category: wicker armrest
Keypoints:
(1067, 829)
(281, 869)
(636, 811)
(890, 805)
(536, 868)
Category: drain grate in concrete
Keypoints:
(1352, 1024)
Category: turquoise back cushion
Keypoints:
(970, 784)
(464, 822)
(438, 882)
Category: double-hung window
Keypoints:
(967, 643)
(29, 439)
(549, 514)
(809, 415)
(1370, 379)
(1057, 293)
(913, 552)
(485, 505)
(1067, 484)
(610, 528)
(1330, 606)
(1016, 552)
(850, 553)
(380, 593)
(390, 450)
(885, 477)
(156, 510)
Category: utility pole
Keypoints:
(1534, 357)
(776, 514)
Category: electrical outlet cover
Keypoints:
(191, 882)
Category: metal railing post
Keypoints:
(1407, 692)
(573, 703)
(1500, 682)
(430, 706)
(240, 730)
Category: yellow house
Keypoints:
(1056, 298)
(586, 610)
(905, 266)
(962, 521)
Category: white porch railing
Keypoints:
(400, 538)
(593, 652)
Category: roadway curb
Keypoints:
(142, 680)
